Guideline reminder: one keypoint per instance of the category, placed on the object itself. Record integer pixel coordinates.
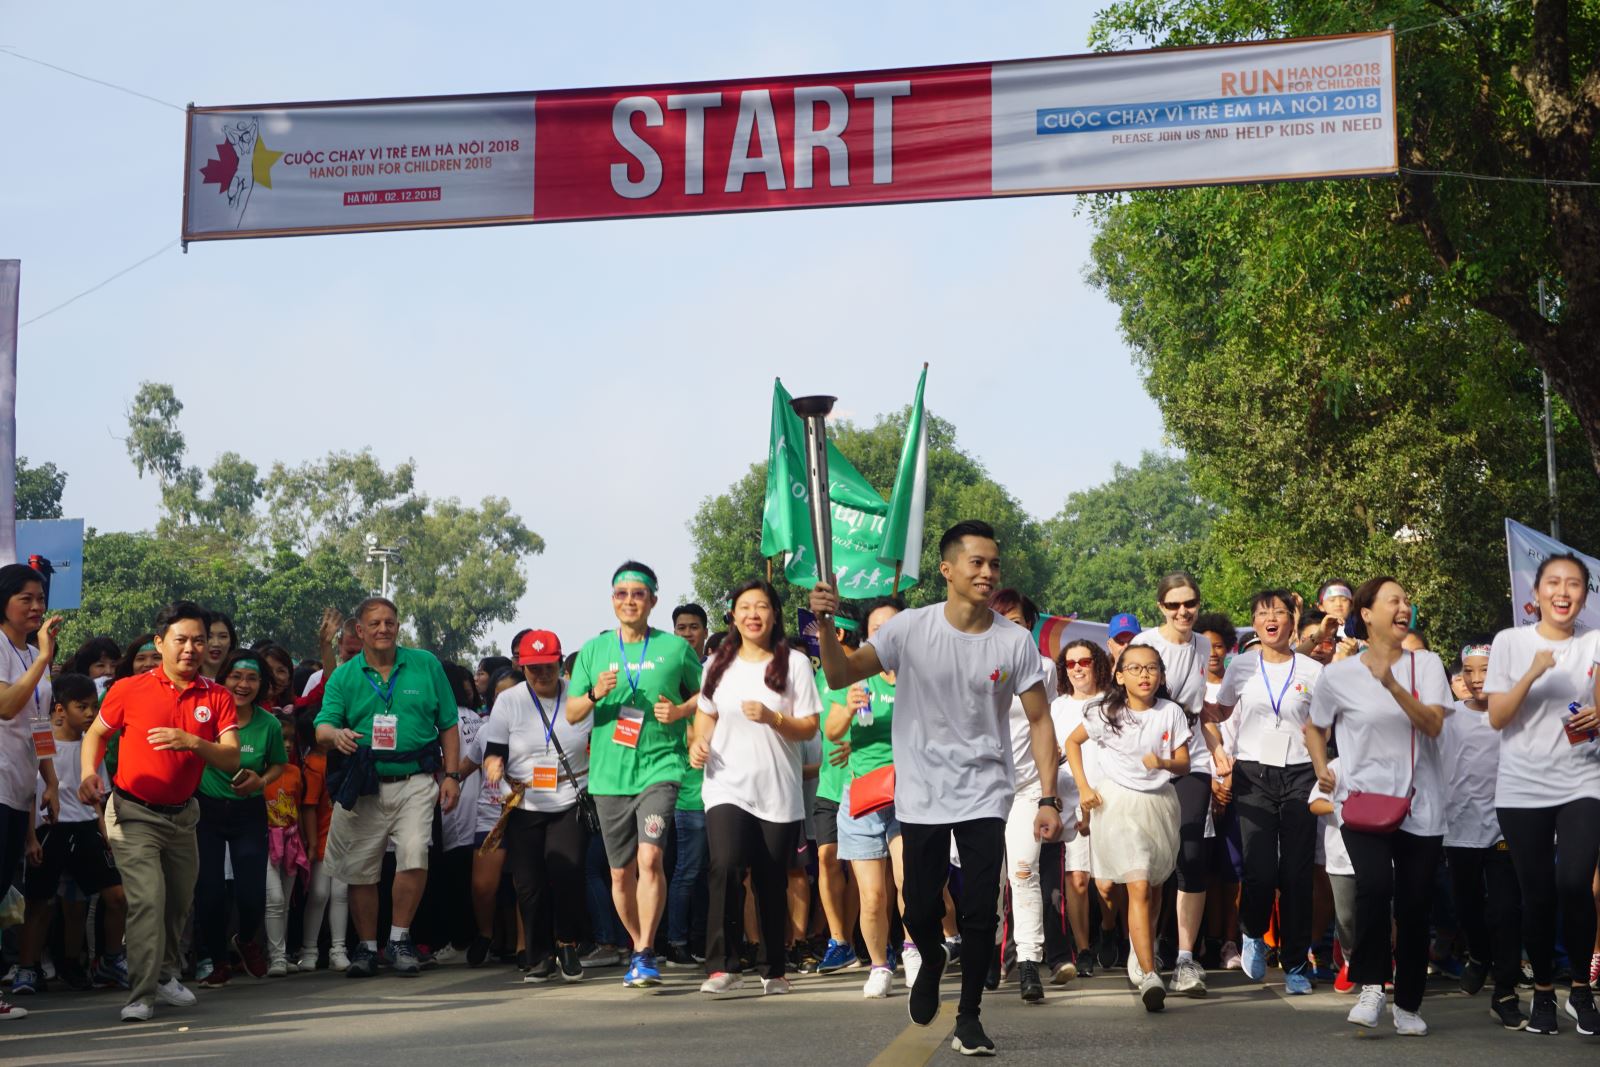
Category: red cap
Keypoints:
(537, 647)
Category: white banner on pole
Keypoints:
(1526, 548)
(10, 287)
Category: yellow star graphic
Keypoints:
(261, 164)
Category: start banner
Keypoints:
(1268, 111)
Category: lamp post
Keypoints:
(377, 553)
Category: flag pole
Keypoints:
(769, 570)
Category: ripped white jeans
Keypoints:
(1022, 869)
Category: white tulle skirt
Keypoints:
(1133, 837)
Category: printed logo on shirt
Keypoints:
(411, 692)
(999, 676)
(247, 748)
(202, 714)
(1301, 687)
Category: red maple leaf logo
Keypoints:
(222, 169)
(1166, 735)
(995, 677)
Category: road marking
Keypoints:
(915, 1045)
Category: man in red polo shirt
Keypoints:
(174, 722)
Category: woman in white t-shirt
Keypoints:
(1143, 743)
(1065, 866)
(1268, 689)
(1541, 689)
(758, 704)
(1387, 707)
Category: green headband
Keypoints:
(148, 646)
(845, 624)
(635, 576)
(247, 665)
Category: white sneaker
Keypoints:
(1135, 975)
(338, 960)
(911, 959)
(772, 987)
(1152, 992)
(1189, 979)
(138, 1012)
(880, 983)
(1406, 1023)
(306, 963)
(447, 954)
(1063, 972)
(1368, 1007)
(722, 982)
(278, 968)
(1231, 960)
(174, 992)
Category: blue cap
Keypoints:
(1126, 623)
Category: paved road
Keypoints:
(463, 1017)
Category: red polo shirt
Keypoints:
(138, 705)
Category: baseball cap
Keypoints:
(537, 647)
(1125, 623)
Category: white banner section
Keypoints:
(1527, 548)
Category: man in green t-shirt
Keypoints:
(833, 883)
(388, 711)
(641, 685)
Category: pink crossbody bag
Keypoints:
(1379, 813)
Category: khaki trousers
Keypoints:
(159, 861)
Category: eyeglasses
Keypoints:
(1086, 662)
(640, 595)
(1142, 669)
(1181, 605)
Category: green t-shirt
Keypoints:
(872, 746)
(830, 779)
(662, 663)
(418, 695)
(260, 747)
(689, 790)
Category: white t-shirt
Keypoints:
(1185, 669)
(459, 822)
(1374, 735)
(1335, 858)
(491, 798)
(1022, 735)
(1272, 738)
(515, 723)
(953, 691)
(69, 774)
(1538, 768)
(19, 767)
(1067, 714)
(1469, 751)
(1163, 730)
(750, 766)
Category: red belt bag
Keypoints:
(1379, 813)
(872, 792)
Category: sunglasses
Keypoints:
(1085, 663)
(1181, 605)
(640, 595)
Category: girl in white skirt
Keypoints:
(1142, 742)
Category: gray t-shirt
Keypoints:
(953, 690)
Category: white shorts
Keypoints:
(358, 838)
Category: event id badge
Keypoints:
(44, 739)
(629, 722)
(1275, 749)
(384, 730)
(546, 777)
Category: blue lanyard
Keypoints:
(549, 721)
(1277, 704)
(385, 692)
(627, 668)
(38, 712)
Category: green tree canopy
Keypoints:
(39, 490)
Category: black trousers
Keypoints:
(1279, 838)
(1059, 942)
(1394, 876)
(235, 830)
(736, 840)
(545, 853)
(1489, 908)
(1194, 800)
(982, 845)
(1555, 878)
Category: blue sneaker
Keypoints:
(1297, 982)
(642, 973)
(839, 956)
(111, 972)
(28, 980)
(1253, 960)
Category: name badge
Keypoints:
(629, 722)
(546, 777)
(44, 740)
(1275, 749)
(384, 729)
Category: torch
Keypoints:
(813, 412)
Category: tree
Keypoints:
(1111, 544)
(1506, 90)
(727, 528)
(39, 490)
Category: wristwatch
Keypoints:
(1050, 802)
(454, 776)
(590, 694)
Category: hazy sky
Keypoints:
(606, 377)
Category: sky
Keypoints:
(605, 377)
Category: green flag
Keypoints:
(902, 538)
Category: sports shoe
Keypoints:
(571, 966)
(202, 968)
(255, 963)
(1253, 960)
(722, 982)
(1135, 974)
(217, 977)
(136, 1012)
(278, 968)
(1580, 1006)
(969, 1038)
(76, 976)
(445, 954)
(774, 987)
(307, 962)
(952, 952)
(802, 960)
(922, 1003)
(1297, 981)
(1106, 951)
(1028, 979)
(880, 983)
(1063, 972)
(1230, 956)
(1408, 1023)
(1594, 969)
(679, 957)
(1189, 978)
(110, 972)
(1342, 983)
(404, 958)
(838, 956)
(540, 973)
(1152, 992)
(911, 960)
(175, 993)
(363, 962)
(1508, 1012)
(1087, 963)
(339, 959)
(642, 973)
(9, 1011)
(1542, 1016)
(1368, 1008)
(599, 956)
(1473, 975)
(27, 981)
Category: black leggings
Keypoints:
(1555, 878)
(736, 839)
(1394, 875)
(235, 830)
(1194, 800)
(545, 854)
(1494, 933)
(981, 844)
(1279, 838)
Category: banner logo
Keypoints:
(243, 161)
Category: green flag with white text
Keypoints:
(902, 537)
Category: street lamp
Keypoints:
(377, 553)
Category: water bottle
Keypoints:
(1577, 737)
(864, 715)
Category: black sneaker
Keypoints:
(1028, 978)
(1473, 975)
(478, 951)
(922, 1003)
(678, 956)
(75, 975)
(363, 962)
(1086, 962)
(540, 972)
(803, 959)
(1106, 953)
(1580, 1006)
(404, 959)
(969, 1039)
(1542, 1016)
(571, 963)
(1508, 1012)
